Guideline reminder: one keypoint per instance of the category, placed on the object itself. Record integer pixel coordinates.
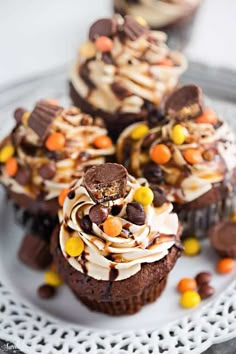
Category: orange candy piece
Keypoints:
(104, 44)
(160, 154)
(193, 156)
(225, 265)
(166, 62)
(187, 284)
(208, 117)
(55, 141)
(102, 142)
(11, 167)
(112, 226)
(63, 196)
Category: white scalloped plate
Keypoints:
(62, 325)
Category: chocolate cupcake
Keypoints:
(173, 16)
(123, 72)
(115, 248)
(223, 238)
(191, 156)
(46, 151)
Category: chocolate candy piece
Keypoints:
(98, 214)
(86, 224)
(135, 213)
(42, 117)
(159, 197)
(148, 140)
(23, 175)
(203, 278)
(103, 27)
(133, 29)
(34, 252)
(185, 102)
(153, 173)
(46, 291)
(120, 90)
(106, 182)
(206, 291)
(48, 170)
(223, 238)
(18, 114)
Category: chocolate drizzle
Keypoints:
(113, 274)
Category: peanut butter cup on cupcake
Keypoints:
(48, 149)
(115, 249)
(123, 72)
(191, 157)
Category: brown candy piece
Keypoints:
(106, 182)
(185, 102)
(203, 278)
(120, 90)
(133, 29)
(48, 170)
(23, 175)
(206, 291)
(153, 173)
(86, 224)
(35, 252)
(18, 114)
(103, 27)
(98, 214)
(223, 238)
(42, 117)
(46, 291)
(135, 213)
(159, 197)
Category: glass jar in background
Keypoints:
(175, 17)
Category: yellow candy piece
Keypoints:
(190, 299)
(144, 196)
(178, 134)
(191, 246)
(139, 132)
(6, 153)
(233, 217)
(74, 246)
(87, 50)
(141, 21)
(25, 118)
(52, 278)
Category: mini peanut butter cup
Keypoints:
(223, 238)
(185, 102)
(106, 182)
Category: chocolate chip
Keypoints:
(23, 175)
(148, 140)
(185, 102)
(159, 197)
(116, 209)
(206, 291)
(120, 90)
(48, 170)
(135, 213)
(98, 214)
(103, 27)
(153, 173)
(133, 29)
(42, 117)
(18, 114)
(106, 182)
(46, 291)
(155, 115)
(86, 224)
(203, 278)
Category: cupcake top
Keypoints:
(158, 13)
(190, 152)
(110, 224)
(124, 65)
(49, 148)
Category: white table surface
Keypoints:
(39, 35)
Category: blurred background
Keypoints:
(37, 36)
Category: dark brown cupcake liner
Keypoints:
(127, 306)
(196, 222)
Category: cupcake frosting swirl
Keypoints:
(136, 69)
(107, 257)
(69, 162)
